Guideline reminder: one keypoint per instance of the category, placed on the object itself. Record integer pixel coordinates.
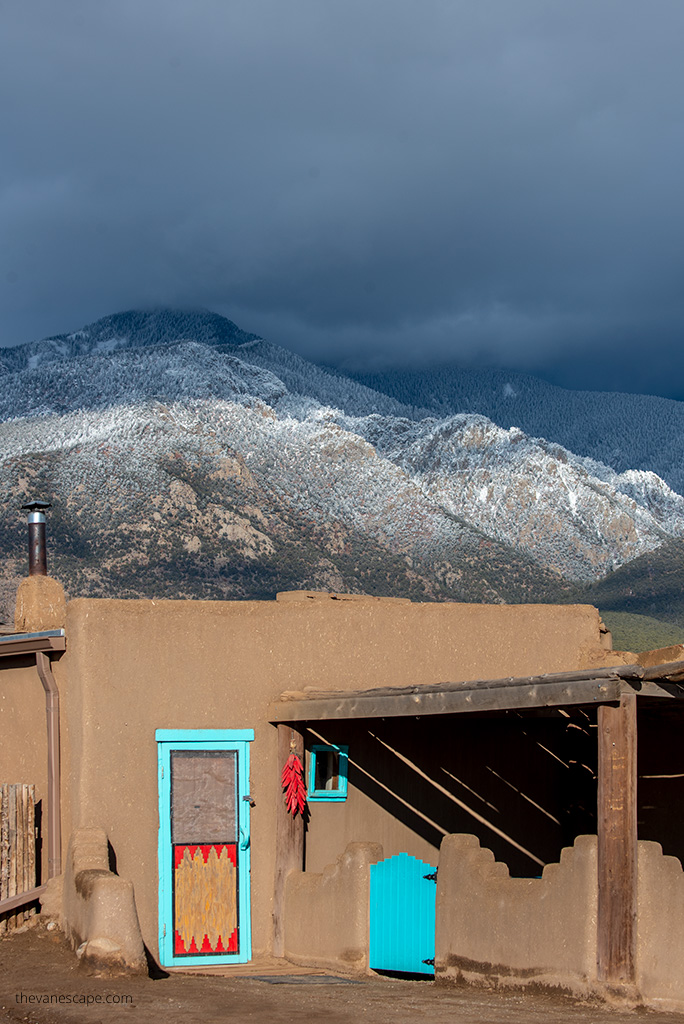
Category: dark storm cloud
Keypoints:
(368, 182)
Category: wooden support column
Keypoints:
(289, 839)
(617, 841)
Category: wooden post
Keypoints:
(289, 839)
(617, 841)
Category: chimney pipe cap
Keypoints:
(36, 506)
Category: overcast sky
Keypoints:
(368, 182)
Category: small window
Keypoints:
(328, 772)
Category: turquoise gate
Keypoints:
(403, 892)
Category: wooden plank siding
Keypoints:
(17, 854)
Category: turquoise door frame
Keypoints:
(237, 740)
(403, 895)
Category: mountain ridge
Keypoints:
(624, 431)
(149, 327)
(447, 508)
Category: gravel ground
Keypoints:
(39, 963)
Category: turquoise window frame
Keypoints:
(324, 795)
(203, 739)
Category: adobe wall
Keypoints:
(499, 931)
(23, 750)
(23, 734)
(326, 913)
(496, 930)
(660, 927)
(367, 642)
(132, 667)
(98, 912)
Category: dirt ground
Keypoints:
(39, 963)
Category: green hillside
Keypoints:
(650, 585)
(641, 632)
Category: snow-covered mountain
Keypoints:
(639, 432)
(62, 359)
(185, 456)
(134, 329)
(221, 498)
(575, 516)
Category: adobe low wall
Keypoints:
(326, 914)
(95, 908)
(660, 928)
(499, 931)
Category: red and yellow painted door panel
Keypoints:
(204, 847)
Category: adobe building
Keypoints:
(485, 755)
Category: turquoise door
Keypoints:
(204, 847)
(403, 893)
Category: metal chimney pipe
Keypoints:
(37, 544)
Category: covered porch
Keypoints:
(525, 764)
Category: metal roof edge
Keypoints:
(44, 634)
(19, 644)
